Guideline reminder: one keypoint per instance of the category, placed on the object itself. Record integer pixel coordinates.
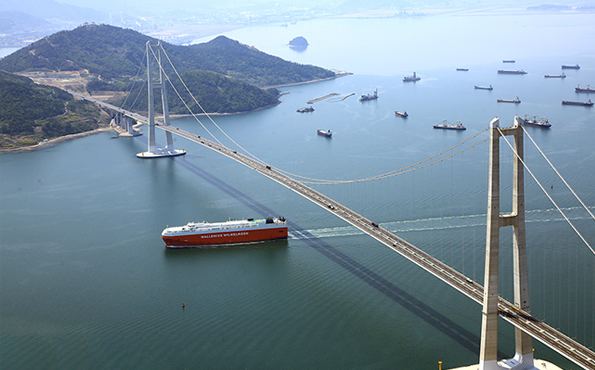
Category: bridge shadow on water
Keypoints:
(464, 337)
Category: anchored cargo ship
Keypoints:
(509, 61)
(555, 76)
(203, 234)
(587, 103)
(538, 122)
(588, 89)
(566, 66)
(412, 78)
(490, 88)
(450, 126)
(511, 72)
(515, 100)
(367, 97)
(401, 114)
(325, 133)
(462, 69)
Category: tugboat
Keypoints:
(412, 78)
(588, 89)
(566, 66)
(511, 72)
(587, 103)
(369, 97)
(450, 126)
(325, 133)
(305, 110)
(514, 101)
(537, 122)
(509, 61)
(401, 114)
(490, 88)
(462, 69)
(555, 76)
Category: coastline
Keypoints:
(338, 74)
(61, 139)
(57, 140)
(216, 114)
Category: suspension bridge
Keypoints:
(516, 313)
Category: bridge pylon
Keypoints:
(523, 359)
(153, 150)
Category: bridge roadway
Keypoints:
(556, 340)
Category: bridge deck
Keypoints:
(556, 340)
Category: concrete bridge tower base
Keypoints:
(153, 150)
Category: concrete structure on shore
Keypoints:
(537, 364)
(154, 151)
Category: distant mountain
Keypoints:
(550, 7)
(115, 53)
(30, 113)
(51, 10)
(15, 22)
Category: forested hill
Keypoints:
(115, 53)
(30, 113)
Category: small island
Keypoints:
(299, 43)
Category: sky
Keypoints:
(198, 5)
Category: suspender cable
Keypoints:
(182, 99)
(311, 180)
(546, 193)
(205, 112)
(559, 175)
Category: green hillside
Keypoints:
(30, 113)
(115, 53)
(215, 92)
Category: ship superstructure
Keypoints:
(205, 234)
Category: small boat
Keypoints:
(511, 72)
(450, 126)
(325, 133)
(412, 78)
(587, 103)
(514, 101)
(490, 88)
(588, 89)
(566, 66)
(555, 76)
(368, 97)
(401, 114)
(462, 69)
(305, 110)
(537, 122)
(509, 61)
(203, 234)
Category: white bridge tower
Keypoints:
(153, 150)
(523, 359)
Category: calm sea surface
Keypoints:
(85, 281)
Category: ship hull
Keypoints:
(450, 128)
(502, 72)
(207, 240)
(576, 103)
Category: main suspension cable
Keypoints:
(546, 193)
(182, 99)
(559, 175)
